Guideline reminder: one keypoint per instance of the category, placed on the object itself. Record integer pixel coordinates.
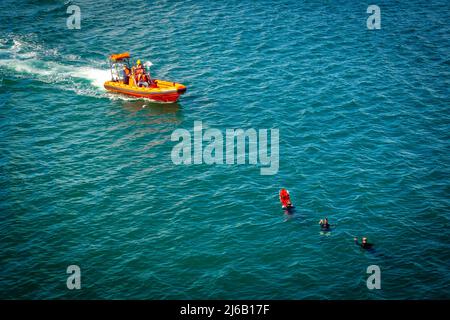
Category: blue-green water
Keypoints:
(86, 177)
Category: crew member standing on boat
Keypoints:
(139, 71)
(126, 74)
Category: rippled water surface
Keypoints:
(86, 177)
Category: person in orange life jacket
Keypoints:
(126, 74)
(139, 71)
(144, 82)
(151, 83)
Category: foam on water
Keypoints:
(96, 76)
(27, 59)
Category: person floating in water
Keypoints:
(324, 225)
(285, 199)
(364, 244)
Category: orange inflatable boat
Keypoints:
(137, 82)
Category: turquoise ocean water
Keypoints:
(86, 177)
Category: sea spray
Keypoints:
(26, 59)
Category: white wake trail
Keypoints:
(19, 58)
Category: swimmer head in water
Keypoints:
(364, 244)
(324, 223)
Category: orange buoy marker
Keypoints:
(285, 199)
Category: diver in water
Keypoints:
(324, 225)
(364, 244)
(285, 199)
